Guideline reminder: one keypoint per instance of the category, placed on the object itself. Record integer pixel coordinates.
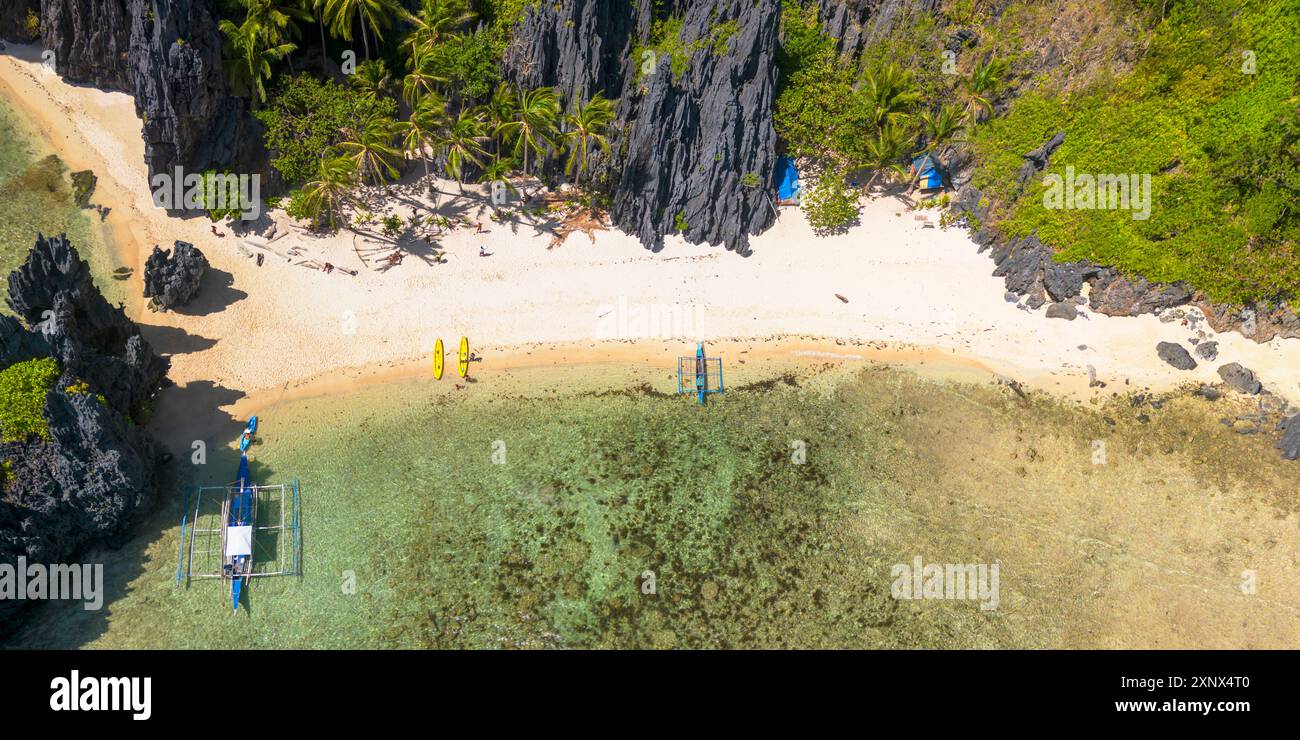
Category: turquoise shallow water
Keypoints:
(631, 518)
(36, 197)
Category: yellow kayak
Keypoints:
(437, 360)
(462, 357)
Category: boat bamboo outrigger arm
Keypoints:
(240, 531)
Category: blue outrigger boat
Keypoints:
(699, 375)
(239, 531)
(225, 534)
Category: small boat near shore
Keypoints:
(240, 531)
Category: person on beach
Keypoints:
(482, 251)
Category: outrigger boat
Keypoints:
(229, 538)
(699, 375)
(238, 565)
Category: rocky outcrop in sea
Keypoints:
(96, 474)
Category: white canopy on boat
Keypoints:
(239, 541)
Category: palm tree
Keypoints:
(461, 142)
(587, 125)
(499, 170)
(436, 20)
(885, 152)
(419, 131)
(499, 111)
(982, 86)
(377, 14)
(533, 127)
(372, 79)
(370, 146)
(941, 126)
(254, 44)
(316, 8)
(324, 196)
(892, 92)
(422, 79)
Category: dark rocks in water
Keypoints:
(1208, 351)
(1290, 442)
(1116, 295)
(95, 475)
(83, 186)
(694, 152)
(1065, 311)
(167, 54)
(1175, 355)
(54, 293)
(1036, 161)
(1240, 379)
(172, 280)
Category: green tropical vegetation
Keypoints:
(23, 387)
(446, 105)
(1202, 97)
(830, 203)
(1219, 138)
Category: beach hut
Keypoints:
(787, 178)
(927, 173)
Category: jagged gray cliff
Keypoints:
(856, 23)
(167, 54)
(695, 149)
(97, 472)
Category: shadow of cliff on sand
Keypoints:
(171, 340)
(216, 293)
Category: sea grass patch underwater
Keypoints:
(36, 196)
(478, 519)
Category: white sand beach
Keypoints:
(908, 286)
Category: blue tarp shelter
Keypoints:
(787, 178)
(927, 171)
